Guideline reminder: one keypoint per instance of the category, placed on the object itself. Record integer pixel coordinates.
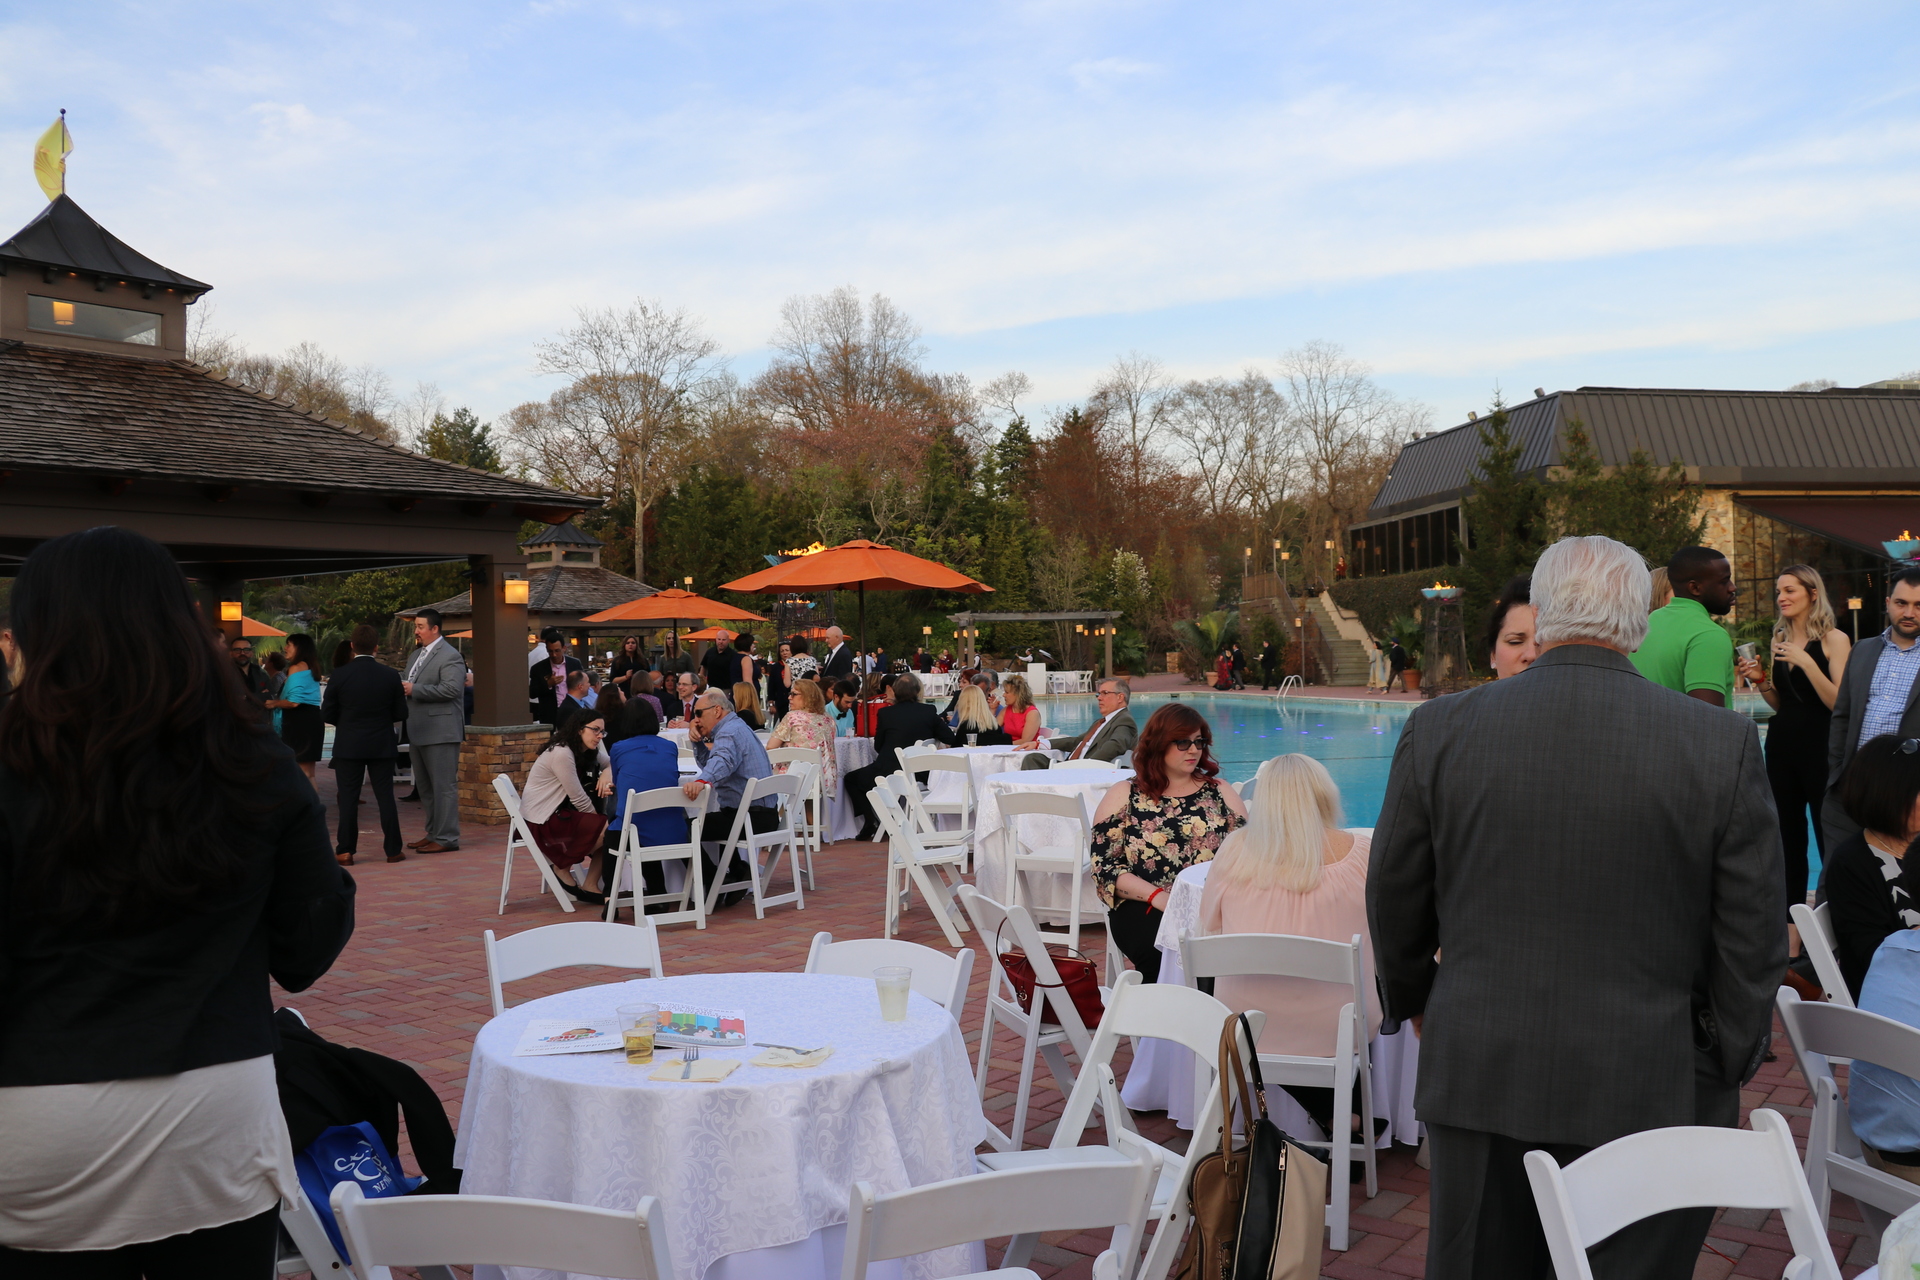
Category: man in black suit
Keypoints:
(1601, 856)
(904, 723)
(363, 701)
(839, 659)
(547, 682)
(251, 674)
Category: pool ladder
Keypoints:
(1291, 682)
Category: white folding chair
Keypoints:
(518, 837)
(940, 977)
(985, 1205)
(1816, 936)
(1070, 859)
(417, 1231)
(927, 812)
(1642, 1174)
(1822, 1034)
(938, 871)
(555, 946)
(1350, 1067)
(1012, 925)
(313, 1252)
(632, 858)
(1180, 1014)
(810, 823)
(763, 850)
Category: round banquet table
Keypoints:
(753, 1173)
(1162, 1075)
(990, 845)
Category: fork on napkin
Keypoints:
(780, 1056)
(704, 1071)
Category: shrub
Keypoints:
(1379, 601)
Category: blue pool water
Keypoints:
(1354, 740)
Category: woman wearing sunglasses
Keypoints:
(1174, 813)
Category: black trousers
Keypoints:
(719, 826)
(1133, 928)
(859, 782)
(1484, 1224)
(243, 1250)
(1266, 674)
(379, 776)
(1798, 773)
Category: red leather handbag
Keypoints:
(1077, 975)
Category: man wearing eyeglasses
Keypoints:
(1111, 737)
(1879, 694)
(729, 756)
(251, 674)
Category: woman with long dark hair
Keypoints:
(1509, 643)
(301, 727)
(1172, 814)
(561, 802)
(160, 857)
(630, 659)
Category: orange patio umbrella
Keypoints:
(709, 633)
(248, 627)
(673, 607)
(856, 566)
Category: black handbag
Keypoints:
(1284, 1212)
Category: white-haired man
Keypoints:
(1601, 857)
(838, 660)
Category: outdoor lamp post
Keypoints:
(1853, 606)
(1276, 555)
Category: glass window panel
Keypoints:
(91, 320)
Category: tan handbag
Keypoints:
(1259, 1211)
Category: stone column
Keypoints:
(501, 738)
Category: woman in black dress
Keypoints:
(1808, 653)
(630, 659)
(1872, 886)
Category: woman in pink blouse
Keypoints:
(1292, 870)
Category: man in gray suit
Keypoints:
(435, 685)
(1599, 857)
(1879, 693)
(1109, 738)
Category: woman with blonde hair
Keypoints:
(807, 724)
(974, 716)
(1809, 655)
(1021, 719)
(746, 705)
(1292, 869)
(1662, 589)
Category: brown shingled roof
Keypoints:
(84, 412)
(580, 589)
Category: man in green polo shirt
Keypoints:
(1685, 649)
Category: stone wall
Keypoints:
(490, 750)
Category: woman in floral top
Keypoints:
(1173, 814)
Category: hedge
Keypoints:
(1380, 600)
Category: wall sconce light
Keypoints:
(513, 590)
(229, 611)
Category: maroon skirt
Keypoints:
(567, 836)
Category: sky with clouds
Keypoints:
(1462, 195)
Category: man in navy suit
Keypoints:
(364, 700)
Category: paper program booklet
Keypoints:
(702, 1027)
(560, 1035)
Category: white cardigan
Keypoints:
(552, 779)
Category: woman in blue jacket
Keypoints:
(644, 761)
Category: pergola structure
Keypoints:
(969, 624)
(104, 421)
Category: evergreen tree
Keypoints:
(462, 438)
(1506, 518)
(1650, 508)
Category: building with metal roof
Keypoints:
(1787, 476)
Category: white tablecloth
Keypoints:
(682, 737)
(990, 846)
(850, 753)
(1161, 1078)
(982, 763)
(764, 1160)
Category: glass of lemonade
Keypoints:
(893, 982)
(638, 1022)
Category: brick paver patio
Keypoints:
(412, 985)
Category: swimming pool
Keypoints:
(1354, 740)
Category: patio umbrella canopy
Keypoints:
(248, 627)
(856, 566)
(671, 606)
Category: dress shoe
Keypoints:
(344, 858)
(434, 846)
(421, 843)
(396, 857)
(867, 832)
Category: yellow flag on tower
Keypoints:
(50, 158)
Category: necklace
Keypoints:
(1895, 852)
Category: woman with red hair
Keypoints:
(1174, 813)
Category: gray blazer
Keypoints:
(434, 708)
(1596, 860)
(1115, 739)
(1850, 706)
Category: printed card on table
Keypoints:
(558, 1035)
(702, 1027)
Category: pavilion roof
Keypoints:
(115, 417)
(64, 235)
(569, 589)
(564, 534)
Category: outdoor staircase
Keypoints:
(1340, 629)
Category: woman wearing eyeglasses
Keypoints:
(1174, 813)
(558, 804)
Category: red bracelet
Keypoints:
(1150, 897)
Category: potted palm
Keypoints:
(1413, 638)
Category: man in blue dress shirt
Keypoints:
(1884, 1106)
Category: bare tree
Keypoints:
(1132, 399)
(634, 378)
(839, 362)
(416, 413)
(1233, 435)
(308, 378)
(1004, 393)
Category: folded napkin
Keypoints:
(705, 1071)
(788, 1058)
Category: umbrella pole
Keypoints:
(863, 617)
